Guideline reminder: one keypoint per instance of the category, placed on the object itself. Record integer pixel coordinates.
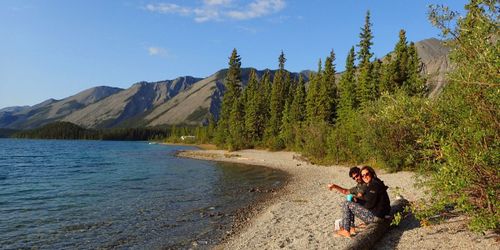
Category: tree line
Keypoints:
(282, 113)
(70, 131)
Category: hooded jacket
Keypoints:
(376, 198)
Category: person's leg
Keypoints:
(347, 216)
(347, 221)
(361, 212)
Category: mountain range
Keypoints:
(184, 100)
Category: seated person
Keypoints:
(373, 204)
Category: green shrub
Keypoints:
(395, 126)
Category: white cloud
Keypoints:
(217, 2)
(219, 10)
(157, 51)
(168, 8)
(257, 9)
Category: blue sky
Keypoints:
(54, 49)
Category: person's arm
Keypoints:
(338, 188)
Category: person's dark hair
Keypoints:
(354, 170)
(370, 170)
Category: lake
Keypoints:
(107, 194)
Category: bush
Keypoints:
(395, 127)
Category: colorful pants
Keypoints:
(351, 209)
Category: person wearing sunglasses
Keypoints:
(373, 204)
(358, 190)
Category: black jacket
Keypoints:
(376, 198)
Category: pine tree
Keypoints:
(252, 109)
(263, 97)
(237, 126)
(277, 103)
(364, 90)
(297, 110)
(415, 83)
(298, 113)
(366, 36)
(232, 93)
(327, 95)
(286, 129)
(211, 127)
(401, 60)
(313, 95)
(347, 88)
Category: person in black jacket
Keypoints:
(374, 203)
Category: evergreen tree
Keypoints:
(286, 129)
(365, 43)
(401, 60)
(364, 89)
(297, 109)
(347, 88)
(262, 98)
(277, 103)
(298, 113)
(313, 95)
(387, 76)
(252, 109)
(415, 83)
(211, 127)
(327, 92)
(237, 126)
(232, 93)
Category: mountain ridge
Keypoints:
(183, 100)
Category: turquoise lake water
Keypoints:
(58, 194)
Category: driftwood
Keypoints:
(367, 238)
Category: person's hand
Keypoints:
(330, 186)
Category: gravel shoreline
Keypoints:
(301, 214)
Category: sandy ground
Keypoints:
(303, 216)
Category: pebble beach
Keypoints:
(302, 214)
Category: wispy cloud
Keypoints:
(158, 51)
(257, 9)
(168, 8)
(220, 10)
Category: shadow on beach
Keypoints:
(392, 237)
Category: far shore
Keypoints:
(303, 216)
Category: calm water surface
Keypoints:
(98, 194)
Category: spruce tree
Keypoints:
(237, 125)
(401, 60)
(297, 110)
(286, 129)
(232, 93)
(312, 95)
(298, 113)
(347, 88)
(252, 109)
(211, 127)
(327, 95)
(364, 90)
(277, 103)
(415, 83)
(263, 97)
